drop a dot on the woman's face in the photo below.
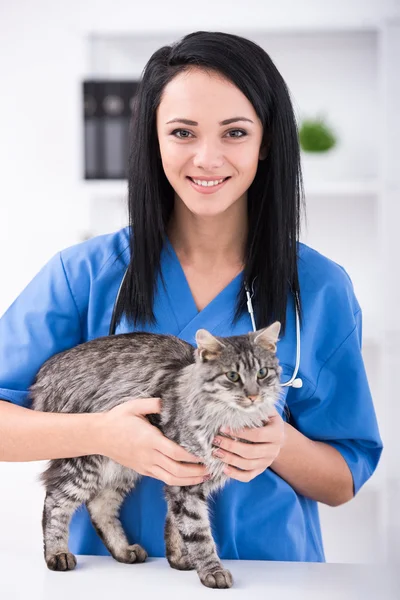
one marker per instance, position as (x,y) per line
(205,148)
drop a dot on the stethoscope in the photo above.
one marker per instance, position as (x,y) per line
(294,381)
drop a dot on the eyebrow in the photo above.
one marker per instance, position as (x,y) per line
(194,123)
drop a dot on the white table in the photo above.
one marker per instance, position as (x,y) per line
(25,575)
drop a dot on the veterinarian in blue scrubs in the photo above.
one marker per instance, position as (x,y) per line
(71,300)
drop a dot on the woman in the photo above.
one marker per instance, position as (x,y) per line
(213,108)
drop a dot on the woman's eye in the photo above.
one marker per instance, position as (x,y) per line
(262,373)
(179,131)
(238,131)
(233,376)
(185,137)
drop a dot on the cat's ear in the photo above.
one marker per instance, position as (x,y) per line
(268,337)
(208,347)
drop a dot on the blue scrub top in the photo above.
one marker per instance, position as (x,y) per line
(70,301)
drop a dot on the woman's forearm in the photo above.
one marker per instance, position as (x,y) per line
(314,469)
(27,435)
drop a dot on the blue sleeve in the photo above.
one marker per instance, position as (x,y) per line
(42,321)
(340,410)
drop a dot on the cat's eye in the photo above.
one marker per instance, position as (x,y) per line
(262,373)
(233,376)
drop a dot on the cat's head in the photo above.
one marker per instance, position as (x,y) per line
(242,371)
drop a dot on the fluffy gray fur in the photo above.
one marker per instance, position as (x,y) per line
(197,399)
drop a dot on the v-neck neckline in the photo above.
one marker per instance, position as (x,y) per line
(183,275)
(182,301)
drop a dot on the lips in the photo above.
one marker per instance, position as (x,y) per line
(207,189)
(216,179)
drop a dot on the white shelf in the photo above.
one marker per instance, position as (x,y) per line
(342,188)
(104,187)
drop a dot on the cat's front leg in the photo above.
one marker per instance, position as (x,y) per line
(58,509)
(175,548)
(188,506)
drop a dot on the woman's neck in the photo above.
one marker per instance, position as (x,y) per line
(209,242)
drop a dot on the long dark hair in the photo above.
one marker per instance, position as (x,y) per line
(274,197)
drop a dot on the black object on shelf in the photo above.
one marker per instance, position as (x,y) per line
(107,109)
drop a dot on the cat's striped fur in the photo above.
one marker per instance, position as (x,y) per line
(197,399)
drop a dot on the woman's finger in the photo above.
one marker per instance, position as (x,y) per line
(143,406)
(258,435)
(175,451)
(247,464)
(244,476)
(248,451)
(170,479)
(178,469)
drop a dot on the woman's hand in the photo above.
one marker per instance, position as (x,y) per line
(126,436)
(253,458)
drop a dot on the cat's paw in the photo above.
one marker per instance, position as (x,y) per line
(63,561)
(182,563)
(132,554)
(217,578)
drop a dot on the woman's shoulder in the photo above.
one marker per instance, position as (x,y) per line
(97,252)
(320,275)
(318,267)
(93,268)
(331,311)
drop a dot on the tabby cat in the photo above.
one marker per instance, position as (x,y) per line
(226,381)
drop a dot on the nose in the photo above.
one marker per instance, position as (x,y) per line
(208,157)
(253,398)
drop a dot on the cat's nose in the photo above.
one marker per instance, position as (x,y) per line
(253,398)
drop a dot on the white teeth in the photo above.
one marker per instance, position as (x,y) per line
(207,183)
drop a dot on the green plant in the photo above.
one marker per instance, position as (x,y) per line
(316,136)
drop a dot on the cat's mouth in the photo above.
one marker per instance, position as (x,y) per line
(248,403)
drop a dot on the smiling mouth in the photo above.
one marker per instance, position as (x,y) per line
(207,185)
